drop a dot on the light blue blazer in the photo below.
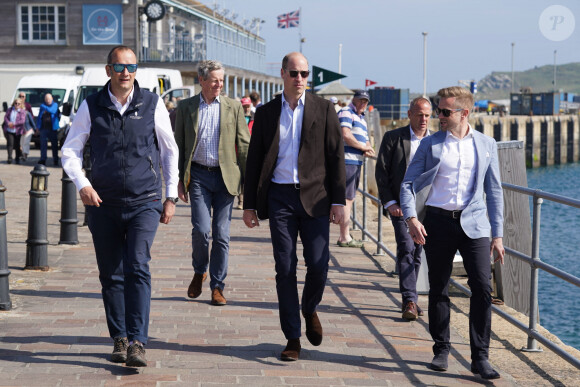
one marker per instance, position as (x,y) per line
(421,173)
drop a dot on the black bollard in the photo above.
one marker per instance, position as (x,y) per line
(68,212)
(37,242)
(5,303)
(87,167)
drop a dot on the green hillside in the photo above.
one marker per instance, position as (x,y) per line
(497,85)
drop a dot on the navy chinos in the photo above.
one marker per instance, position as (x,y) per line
(123,237)
(288,219)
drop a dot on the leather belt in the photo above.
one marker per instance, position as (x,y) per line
(293,185)
(456,214)
(205,167)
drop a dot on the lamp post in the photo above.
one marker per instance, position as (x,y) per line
(424,64)
(555,52)
(37,242)
(513,80)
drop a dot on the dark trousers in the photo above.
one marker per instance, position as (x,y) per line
(408,260)
(13,142)
(123,237)
(444,237)
(52,135)
(288,219)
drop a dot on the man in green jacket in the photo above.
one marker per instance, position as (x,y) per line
(212,137)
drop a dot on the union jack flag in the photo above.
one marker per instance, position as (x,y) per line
(289,20)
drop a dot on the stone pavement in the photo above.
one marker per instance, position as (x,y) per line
(56,334)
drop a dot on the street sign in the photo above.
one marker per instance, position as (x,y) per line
(321,76)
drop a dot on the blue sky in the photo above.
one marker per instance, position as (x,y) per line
(382,39)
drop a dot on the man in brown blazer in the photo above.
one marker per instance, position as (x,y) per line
(212,137)
(395,154)
(295,178)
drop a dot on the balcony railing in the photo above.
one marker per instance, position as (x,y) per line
(157,47)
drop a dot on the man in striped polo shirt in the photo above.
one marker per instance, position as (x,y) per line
(356,147)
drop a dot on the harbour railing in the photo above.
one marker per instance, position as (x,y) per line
(534,336)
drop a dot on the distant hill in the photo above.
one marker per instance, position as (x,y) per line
(497,85)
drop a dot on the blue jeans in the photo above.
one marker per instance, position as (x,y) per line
(207,192)
(123,237)
(51,135)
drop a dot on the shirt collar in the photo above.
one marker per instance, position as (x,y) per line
(300,100)
(468,135)
(115,100)
(202,99)
(414,136)
(353,108)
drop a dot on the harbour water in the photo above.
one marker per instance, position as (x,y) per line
(559,301)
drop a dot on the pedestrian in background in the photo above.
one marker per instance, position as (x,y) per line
(295,178)
(30,128)
(356,147)
(452,199)
(48,122)
(396,152)
(13,126)
(212,137)
(131,138)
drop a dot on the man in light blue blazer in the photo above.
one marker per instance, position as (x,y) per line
(443,203)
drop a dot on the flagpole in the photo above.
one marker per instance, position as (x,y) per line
(300,28)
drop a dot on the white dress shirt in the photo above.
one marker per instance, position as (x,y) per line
(286,170)
(72,150)
(453,187)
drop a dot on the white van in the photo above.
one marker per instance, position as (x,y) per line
(62,87)
(157,80)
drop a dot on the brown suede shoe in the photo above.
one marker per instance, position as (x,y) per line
(292,350)
(313,328)
(194,289)
(410,312)
(217,297)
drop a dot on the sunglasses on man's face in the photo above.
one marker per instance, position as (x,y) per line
(118,67)
(446,112)
(303,74)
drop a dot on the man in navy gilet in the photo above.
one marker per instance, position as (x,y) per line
(131,137)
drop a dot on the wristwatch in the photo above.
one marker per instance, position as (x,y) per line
(174,200)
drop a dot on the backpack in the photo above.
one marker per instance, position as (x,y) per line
(46,121)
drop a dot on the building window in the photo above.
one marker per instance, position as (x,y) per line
(42,24)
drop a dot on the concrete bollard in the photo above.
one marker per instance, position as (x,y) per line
(37,242)
(5,303)
(68,212)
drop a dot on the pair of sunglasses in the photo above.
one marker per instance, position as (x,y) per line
(119,68)
(446,112)
(303,74)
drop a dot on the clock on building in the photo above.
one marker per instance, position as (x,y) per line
(154,10)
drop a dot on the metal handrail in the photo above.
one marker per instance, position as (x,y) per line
(534,261)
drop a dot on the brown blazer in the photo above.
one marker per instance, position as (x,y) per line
(233,143)
(320,158)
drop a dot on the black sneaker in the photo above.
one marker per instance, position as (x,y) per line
(119,354)
(136,355)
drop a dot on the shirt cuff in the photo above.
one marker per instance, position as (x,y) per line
(388,204)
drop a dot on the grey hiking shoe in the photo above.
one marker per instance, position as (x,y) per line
(136,355)
(120,346)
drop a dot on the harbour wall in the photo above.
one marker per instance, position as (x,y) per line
(548,140)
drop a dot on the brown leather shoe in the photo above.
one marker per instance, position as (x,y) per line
(292,350)
(410,312)
(313,328)
(217,297)
(194,289)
